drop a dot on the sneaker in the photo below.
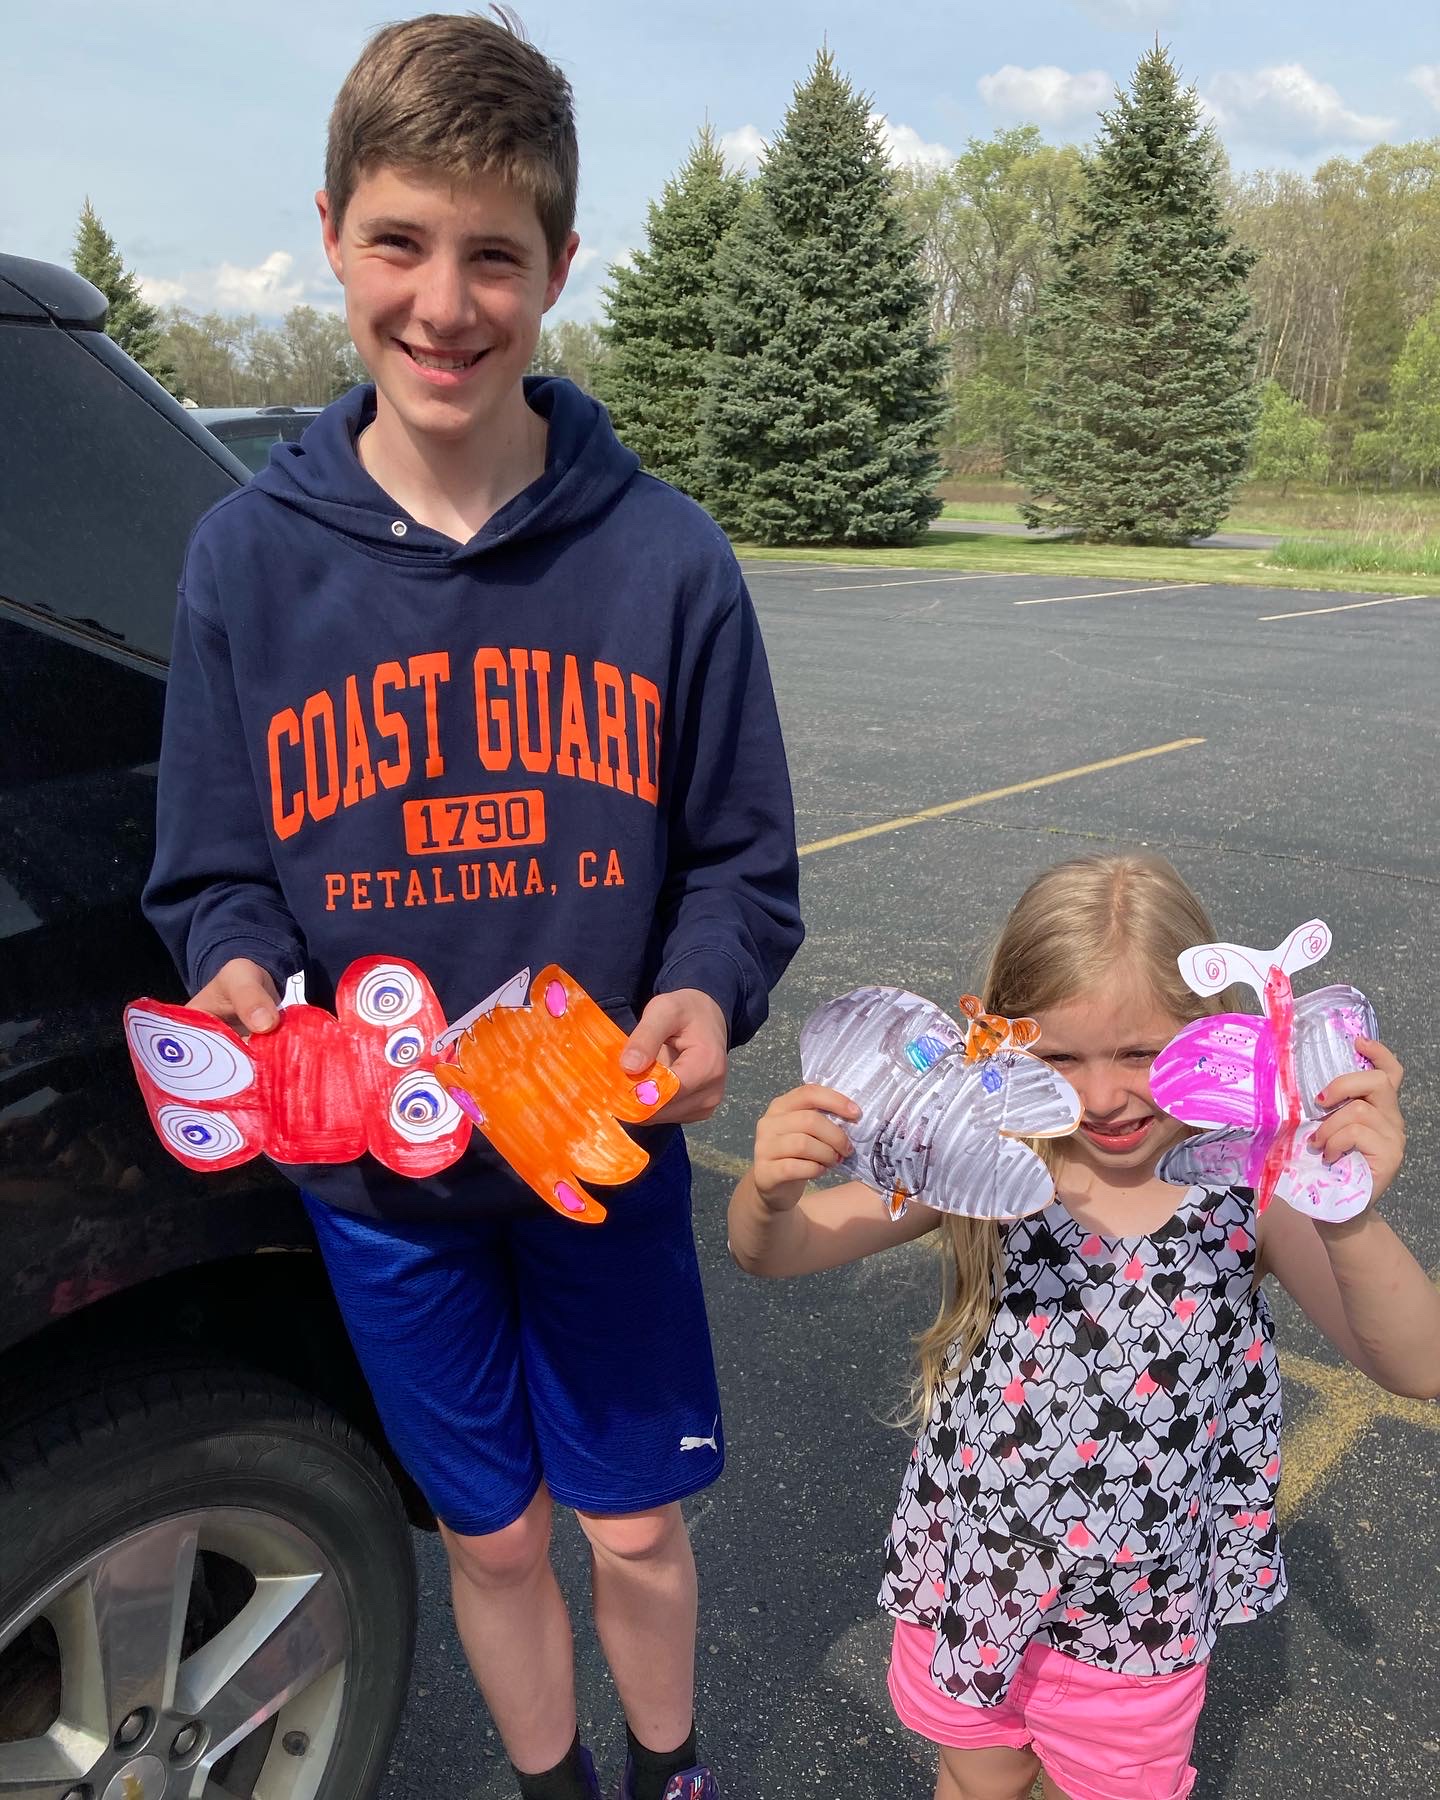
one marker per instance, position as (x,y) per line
(689,1784)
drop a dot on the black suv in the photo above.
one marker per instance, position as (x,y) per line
(206,1580)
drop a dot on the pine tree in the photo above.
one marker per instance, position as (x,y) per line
(1142,354)
(824,393)
(132,321)
(658,338)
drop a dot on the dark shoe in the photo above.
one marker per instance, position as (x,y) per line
(689,1784)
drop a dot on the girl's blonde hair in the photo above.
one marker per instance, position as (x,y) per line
(1074,926)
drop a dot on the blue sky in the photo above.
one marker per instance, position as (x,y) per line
(197,129)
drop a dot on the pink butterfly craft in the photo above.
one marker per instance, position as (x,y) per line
(942,1105)
(1253,1082)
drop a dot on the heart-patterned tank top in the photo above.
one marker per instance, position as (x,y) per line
(1103,1474)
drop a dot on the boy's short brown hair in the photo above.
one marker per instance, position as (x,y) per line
(458,95)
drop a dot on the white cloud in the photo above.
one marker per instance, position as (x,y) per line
(270,288)
(1046,94)
(743,147)
(1426,77)
(267,288)
(903,144)
(1286,105)
(160,292)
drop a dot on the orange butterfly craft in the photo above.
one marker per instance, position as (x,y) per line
(989,1033)
(544,1084)
(536,1072)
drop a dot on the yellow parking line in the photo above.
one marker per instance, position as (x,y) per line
(1168,587)
(1314,612)
(1347,1405)
(858,587)
(1004,793)
(717,1161)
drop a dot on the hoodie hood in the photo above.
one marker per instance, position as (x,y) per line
(321,476)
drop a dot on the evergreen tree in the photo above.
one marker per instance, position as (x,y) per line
(658,338)
(1142,352)
(1289,442)
(824,392)
(132,321)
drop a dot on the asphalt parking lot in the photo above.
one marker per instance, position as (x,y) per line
(949,736)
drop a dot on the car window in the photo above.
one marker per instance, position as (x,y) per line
(252,447)
(100,491)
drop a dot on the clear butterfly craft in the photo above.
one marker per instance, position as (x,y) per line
(942,1105)
(535,1068)
(1253,1082)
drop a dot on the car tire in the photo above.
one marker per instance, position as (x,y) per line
(205,1577)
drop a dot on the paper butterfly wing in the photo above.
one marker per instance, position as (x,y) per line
(1331,1192)
(390,1017)
(950,1127)
(314,1104)
(1214,1160)
(1217,1071)
(1327,1022)
(873,1044)
(544,1084)
(198,1082)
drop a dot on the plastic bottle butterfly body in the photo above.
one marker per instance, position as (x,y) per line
(941,1107)
(1256,1079)
(317,1089)
(544,1084)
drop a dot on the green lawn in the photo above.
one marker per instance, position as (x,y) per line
(1303,510)
(1107,562)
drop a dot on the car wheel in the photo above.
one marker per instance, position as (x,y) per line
(206,1590)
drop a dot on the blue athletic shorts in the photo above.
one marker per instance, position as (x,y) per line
(506,1352)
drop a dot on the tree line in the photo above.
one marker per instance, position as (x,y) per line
(806,348)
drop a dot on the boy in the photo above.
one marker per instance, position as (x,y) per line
(453,681)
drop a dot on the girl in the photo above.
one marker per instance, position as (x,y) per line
(1093,1492)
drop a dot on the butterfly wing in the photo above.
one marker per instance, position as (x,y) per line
(390,1018)
(956,1118)
(1327,1023)
(1331,1192)
(873,1045)
(199,1084)
(1217,1071)
(1214,1160)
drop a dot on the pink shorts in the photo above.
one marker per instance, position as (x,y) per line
(1099,1735)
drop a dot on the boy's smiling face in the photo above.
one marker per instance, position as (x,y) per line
(445,287)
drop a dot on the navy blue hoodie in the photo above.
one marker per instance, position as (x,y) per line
(555,743)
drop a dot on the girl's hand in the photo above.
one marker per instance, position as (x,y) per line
(795,1143)
(1367,1116)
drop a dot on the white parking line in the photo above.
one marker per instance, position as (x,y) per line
(1110,593)
(855,587)
(1314,612)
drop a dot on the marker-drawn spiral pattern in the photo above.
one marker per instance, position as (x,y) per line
(206,1136)
(388,995)
(404,1047)
(195,1065)
(421,1110)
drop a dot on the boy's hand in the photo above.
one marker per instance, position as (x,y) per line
(795,1142)
(686,1031)
(1367,1115)
(242,995)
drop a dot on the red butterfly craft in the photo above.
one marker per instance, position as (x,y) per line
(545,1088)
